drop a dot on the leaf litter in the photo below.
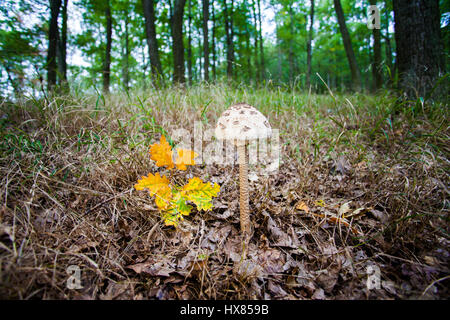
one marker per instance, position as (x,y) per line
(318,224)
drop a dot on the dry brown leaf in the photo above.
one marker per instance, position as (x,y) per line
(344,209)
(152,268)
(301,205)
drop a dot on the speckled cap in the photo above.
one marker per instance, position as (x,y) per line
(242,122)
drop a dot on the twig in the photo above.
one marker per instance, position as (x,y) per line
(433,283)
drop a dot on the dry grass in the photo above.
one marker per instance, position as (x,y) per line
(68,167)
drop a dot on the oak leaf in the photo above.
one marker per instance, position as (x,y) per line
(185,158)
(200,193)
(155,184)
(162,153)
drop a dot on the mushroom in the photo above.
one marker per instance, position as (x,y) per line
(240,124)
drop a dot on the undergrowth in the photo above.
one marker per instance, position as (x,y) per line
(68,165)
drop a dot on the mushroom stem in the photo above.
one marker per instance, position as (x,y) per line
(243,184)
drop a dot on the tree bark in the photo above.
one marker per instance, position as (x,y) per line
(229,38)
(377,68)
(248,51)
(356,76)
(62,46)
(420,58)
(261,44)
(189,62)
(279,66)
(388,51)
(291,48)
(214,42)
(257,61)
(55,6)
(309,46)
(152,43)
(205,39)
(107,61)
(126,71)
(177,42)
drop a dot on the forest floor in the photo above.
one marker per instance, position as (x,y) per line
(362,191)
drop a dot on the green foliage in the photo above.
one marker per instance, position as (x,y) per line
(23,43)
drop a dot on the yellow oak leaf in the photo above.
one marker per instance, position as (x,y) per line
(162,153)
(178,208)
(185,158)
(200,193)
(163,199)
(155,184)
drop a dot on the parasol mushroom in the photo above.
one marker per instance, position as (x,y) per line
(240,124)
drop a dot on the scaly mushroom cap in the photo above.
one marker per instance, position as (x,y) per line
(242,122)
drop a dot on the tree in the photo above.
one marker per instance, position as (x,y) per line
(261,46)
(55,6)
(376,64)
(213,39)
(308,44)
(19,48)
(107,59)
(189,54)
(62,46)
(152,43)
(257,62)
(177,41)
(205,39)
(419,48)
(228,14)
(356,77)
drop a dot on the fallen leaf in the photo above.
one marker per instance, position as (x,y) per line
(162,153)
(200,193)
(344,209)
(356,213)
(276,289)
(379,215)
(319,294)
(272,261)
(302,206)
(152,268)
(320,203)
(185,158)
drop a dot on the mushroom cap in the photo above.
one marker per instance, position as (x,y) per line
(242,122)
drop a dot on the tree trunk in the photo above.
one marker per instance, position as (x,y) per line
(388,49)
(261,44)
(107,61)
(214,42)
(15,85)
(205,39)
(377,68)
(420,58)
(248,51)
(291,48)
(257,62)
(229,38)
(62,46)
(55,6)
(308,45)
(126,77)
(189,62)
(152,43)
(356,77)
(279,65)
(177,41)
